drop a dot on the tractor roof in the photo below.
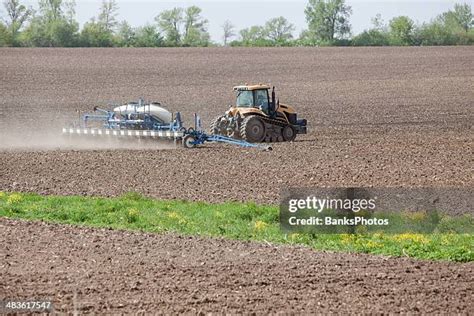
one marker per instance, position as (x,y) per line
(251,87)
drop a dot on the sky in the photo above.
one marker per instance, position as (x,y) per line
(246,13)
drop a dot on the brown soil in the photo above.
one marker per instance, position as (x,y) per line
(98,271)
(378,116)
(217,173)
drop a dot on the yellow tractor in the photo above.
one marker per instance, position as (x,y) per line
(258,117)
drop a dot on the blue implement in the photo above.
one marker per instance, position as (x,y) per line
(149,120)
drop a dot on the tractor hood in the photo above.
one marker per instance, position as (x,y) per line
(242,111)
(245,111)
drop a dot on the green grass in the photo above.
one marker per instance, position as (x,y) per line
(230,220)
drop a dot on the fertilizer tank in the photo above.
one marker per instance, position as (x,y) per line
(153,109)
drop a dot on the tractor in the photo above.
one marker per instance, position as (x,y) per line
(258,117)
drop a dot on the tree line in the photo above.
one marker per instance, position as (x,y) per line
(53,24)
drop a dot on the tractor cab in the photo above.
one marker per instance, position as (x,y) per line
(255,96)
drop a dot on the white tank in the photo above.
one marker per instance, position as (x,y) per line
(126,109)
(157,112)
(153,109)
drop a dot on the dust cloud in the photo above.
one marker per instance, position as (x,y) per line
(54,139)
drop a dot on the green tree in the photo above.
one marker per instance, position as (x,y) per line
(254,36)
(93,34)
(279,30)
(376,36)
(448,21)
(463,15)
(17,15)
(55,25)
(195,28)
(371,38)
(125,35)
(307,38)
(453,27)
(100,32)
(190,21)
(328,19)
(461,18)
(228,30)
(169,22)
(401,31)
(435,33)
(4,35)
(196,38)
(51,9)
(147,36)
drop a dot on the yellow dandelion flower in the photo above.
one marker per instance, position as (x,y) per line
(378,235)
(418,216)
(174,215)
(132,215)
(259,225)
(133,212)
(418,238)
(347,238)
(372,244)
(14,198)
(294,236)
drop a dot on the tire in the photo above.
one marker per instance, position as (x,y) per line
(252,129)
(188,141)
(215,129)
(288,133)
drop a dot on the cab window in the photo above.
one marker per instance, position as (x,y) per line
(261,97)
(245,99)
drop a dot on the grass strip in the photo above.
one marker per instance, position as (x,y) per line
(241,221)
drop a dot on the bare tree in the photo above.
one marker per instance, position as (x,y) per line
(108,15)
(70,8)
(229,31)
(378,22)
